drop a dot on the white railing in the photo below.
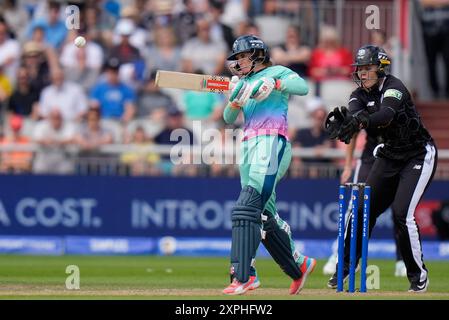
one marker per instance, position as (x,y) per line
(111,164)
(306,153)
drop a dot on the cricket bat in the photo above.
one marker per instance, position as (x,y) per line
(192,81)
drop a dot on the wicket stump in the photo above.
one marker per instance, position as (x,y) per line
(342,227)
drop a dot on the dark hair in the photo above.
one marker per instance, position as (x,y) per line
(54,5)
(113,63)
(151,76)
(94,110)
(217,4)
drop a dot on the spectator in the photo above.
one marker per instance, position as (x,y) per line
(92,135)
(247,27)
(440,218)
(202,52)
(330,60)
(36,61)
(93,24)
(203,106)
(131,63)
(151,101)
(138,37)
(114,98)
(68,97)
(38,37)
(314,137)
(5,89)
(175,121)
(53,135)
(124,50)
(9,53)
(220,31)
(16,17)
(15,161)
(292,53)
(139,161)
(379,38)
(24,100)
(185,22)
(110,12)
(435,26)
(81,65)
(164,54)
(54,28)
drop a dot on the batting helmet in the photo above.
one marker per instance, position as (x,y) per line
(249,43)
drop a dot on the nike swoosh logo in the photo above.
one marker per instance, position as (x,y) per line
(421,287)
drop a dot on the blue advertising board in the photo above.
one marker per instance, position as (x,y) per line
(157,207)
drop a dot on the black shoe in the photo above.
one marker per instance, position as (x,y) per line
(419,287)
(333,281)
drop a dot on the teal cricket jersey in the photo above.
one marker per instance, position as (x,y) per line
(269,117)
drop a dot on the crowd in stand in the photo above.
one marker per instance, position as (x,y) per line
(57,95)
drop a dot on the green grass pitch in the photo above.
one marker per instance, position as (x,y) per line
(177,278)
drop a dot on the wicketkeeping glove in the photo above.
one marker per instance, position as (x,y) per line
(353,124)
(334,120)
(262,88)
(240,94)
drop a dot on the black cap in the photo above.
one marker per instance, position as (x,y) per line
(113,63)
(217,4)
(174,111)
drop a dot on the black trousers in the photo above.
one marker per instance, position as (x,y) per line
(401,185)
(361,173)
(435,45)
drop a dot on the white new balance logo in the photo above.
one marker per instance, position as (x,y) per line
(417,167)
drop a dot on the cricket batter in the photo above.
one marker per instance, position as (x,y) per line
(262,95)
(405,160)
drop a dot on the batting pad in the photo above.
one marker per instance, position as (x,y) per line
(277,241)
(246,235)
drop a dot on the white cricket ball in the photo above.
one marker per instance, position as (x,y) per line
(80,41)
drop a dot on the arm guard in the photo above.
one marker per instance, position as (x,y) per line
(230,114)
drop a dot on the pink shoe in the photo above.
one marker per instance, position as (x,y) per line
(306,268)
(236,287)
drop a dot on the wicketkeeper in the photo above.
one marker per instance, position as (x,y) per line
(405,160)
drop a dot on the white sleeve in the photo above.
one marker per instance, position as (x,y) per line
(82,99)
(67,56)
(69,132)
(186,52)
(39,131)
(44,103)
(95,56)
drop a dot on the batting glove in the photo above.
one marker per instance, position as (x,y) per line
(233,82)
(262,88)
(240,94)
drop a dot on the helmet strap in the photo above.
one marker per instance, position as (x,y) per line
(236,69)
(255,61)
(380,75)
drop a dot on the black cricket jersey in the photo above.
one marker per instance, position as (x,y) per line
(393,121)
